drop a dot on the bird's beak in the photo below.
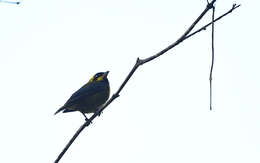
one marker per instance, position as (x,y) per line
(106,73)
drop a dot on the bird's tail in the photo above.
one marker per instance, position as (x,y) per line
(60,109)
(65,110)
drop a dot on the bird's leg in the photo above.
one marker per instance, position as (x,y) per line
(86,118)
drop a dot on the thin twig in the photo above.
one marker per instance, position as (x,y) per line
(213,55)
(10,2)
(138,63)
(183,37)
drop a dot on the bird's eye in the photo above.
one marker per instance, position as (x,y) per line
(97,76)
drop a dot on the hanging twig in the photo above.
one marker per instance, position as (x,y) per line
(213,55)
(138,63)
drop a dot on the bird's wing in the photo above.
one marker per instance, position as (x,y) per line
(86,90)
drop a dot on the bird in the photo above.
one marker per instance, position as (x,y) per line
(90,97)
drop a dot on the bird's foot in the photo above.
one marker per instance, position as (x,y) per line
(99,114)
(86,118)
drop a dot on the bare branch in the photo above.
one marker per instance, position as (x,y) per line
(10,2)
(205,26)
(138,63)
(183,37)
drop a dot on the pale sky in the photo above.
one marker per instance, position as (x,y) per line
(49,49)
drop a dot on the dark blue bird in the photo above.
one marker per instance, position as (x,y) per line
(90,97)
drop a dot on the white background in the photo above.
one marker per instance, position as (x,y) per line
(50,48)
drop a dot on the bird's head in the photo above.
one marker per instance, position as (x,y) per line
(99,77)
